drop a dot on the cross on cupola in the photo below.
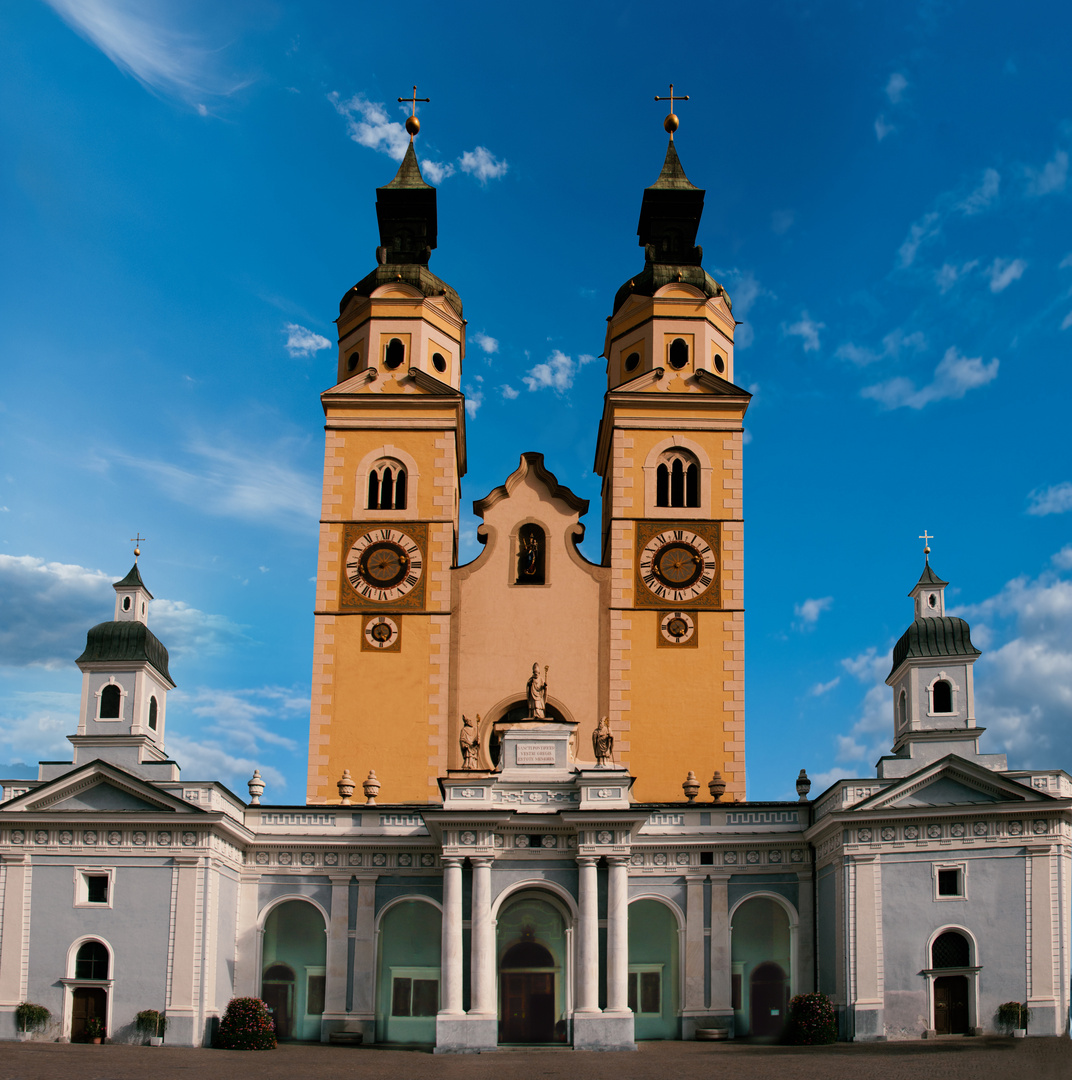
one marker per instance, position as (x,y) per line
(671,123)
(137,540)
(413,125)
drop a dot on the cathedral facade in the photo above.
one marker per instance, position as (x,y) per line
(546,866)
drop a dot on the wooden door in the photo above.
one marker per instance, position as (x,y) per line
(87,1002)
(279,997)
(528,1007)
(769,994)
(951,1005)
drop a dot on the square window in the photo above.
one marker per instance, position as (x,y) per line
(645,991)
(315,997)
(949,883)
(96,888)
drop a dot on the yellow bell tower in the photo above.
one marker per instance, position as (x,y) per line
(669,451)
(393,461)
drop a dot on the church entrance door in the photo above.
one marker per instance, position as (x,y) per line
(277,991)
(770,993)
(87,1003)
(528,1007)
(951,1005)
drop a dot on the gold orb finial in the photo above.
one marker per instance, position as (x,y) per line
(413,125)
(136,541)
(671,123)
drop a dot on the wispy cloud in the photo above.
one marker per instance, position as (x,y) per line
(1004,272)
(486,342)
(808,611)
(1052,177)
(883,127)
(821,688)
(950,274)
(954,376)
(557,373)
(302,341)
(482,164)
(896,87)
(807,329)
(137,39)
(437,171)
(782,221)
(1055,499)
(926,228)
(893,344)
(508,392)
(744,290)
(474,398)
(983,196)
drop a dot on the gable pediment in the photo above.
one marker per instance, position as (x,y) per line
(99,787)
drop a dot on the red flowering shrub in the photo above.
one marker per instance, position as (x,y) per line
(812,1021)
(246,1025)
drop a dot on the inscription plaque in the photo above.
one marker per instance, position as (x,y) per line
(535,753)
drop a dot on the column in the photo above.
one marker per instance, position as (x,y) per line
(451,962)
(588,937)
(721,947)
(13,936)
(363,1004)
(617,934)
(183,993)
(694,944)
(482,1001)
(338,940)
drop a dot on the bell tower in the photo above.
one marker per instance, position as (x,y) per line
(669,451)
(393,461)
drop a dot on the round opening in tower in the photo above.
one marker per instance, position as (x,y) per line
(439,362)
(631,361)
(353,360)
(720,364)
(679,353)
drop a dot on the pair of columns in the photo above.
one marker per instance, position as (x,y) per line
(482,963)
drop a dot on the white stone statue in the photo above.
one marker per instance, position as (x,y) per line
(603,743)
(468,742)
(537,694)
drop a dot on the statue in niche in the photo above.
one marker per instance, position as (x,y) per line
(603,743)
(537,693)
(530,555)
(469,743)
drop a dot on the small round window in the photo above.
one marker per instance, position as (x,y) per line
(394,354)
(439,361)
(720,364)
(353,360)
(632,361)
(126,603)
(679,353)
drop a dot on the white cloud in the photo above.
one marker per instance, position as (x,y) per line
(1050,178)
(896,86)
(34,725)
(218,480)
(1003,273)
(868,666)
(474,398)
(557,373)
(482,164)
(744,290)
(882,129)
(1055,499)
(918,234)
(369,124)
(186,631)
(893,344)
(983,196)
(437,171)
(821,688)
(164,59)
(486,342)
(950,274)
(807,330)
(1066,262)
(809,610)
(1066,322)
(508,392)
(1063,558)
(954,376)
(303,342)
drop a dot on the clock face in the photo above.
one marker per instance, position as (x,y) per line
(677,627)
(678,565)
(381,632)
(384,565)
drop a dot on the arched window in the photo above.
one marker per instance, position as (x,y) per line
(387,486)
(942,697)
(531,555)
(152,713)
(126,603)
(677,479)
(111,701)
(950,950)
(902,709)
(91,961)
(394,354)
(679,353)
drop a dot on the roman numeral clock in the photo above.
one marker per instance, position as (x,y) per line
(677,571)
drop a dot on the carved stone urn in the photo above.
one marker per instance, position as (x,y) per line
(256,788)
(346,787)
(371,788)
(691,786)
(803,786)
(717,786)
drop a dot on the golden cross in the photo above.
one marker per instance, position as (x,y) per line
(137,541)
(413,125)
(926,538)
(671,122)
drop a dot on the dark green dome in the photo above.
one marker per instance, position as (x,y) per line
(130,640)
(936,637)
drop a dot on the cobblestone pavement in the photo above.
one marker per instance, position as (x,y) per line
(952,1059)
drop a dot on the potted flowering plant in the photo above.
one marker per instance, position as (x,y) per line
(95,1029)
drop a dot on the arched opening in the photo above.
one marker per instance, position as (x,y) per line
(942,697)
(531,946)
(677,479)
(394,354)
(152,713)
(293,964)
(761,960)
(92,963)
(902,709)
(679,353)
(531,555)
(387,486)
(407,993)
(951,992)
(653,970)
(111,701)
(126,603)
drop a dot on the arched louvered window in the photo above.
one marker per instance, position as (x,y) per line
(387,486)
(111,701)
(677,479)
(152,713)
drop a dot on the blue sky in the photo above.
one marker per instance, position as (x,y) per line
(187,189)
